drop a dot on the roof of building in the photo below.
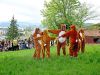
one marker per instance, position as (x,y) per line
(92,33)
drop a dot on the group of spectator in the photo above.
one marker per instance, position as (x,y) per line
(8,45)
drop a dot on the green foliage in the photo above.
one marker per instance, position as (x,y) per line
(65,11)
(12,30)
(22,63)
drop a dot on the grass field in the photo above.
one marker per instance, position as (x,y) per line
(22,63)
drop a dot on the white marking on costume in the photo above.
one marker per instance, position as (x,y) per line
(45,44)
(81,35)
(76,40)
(61,39)
(39,41)
(38,35)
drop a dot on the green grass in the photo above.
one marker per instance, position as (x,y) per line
(22,63)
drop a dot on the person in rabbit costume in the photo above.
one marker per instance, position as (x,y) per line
(61,42)
(46,43)
(82,40)
(37,43)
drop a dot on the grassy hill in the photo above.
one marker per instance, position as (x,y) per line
(20,24)
(22,63)
(94,26)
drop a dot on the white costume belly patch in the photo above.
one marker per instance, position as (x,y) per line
(61,39)
(39,41)
(81,36)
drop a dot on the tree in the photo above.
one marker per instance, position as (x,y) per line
(64,11)
(12,32)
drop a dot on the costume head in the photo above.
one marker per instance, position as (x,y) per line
(63,27)
(81,30)
(45,32)
(73,27)
(37,30)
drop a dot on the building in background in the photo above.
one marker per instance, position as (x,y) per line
(3,31)
(92,36)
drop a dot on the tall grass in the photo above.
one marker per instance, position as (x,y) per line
(22,63)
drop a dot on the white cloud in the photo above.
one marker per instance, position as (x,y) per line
(29,10)
(24,10)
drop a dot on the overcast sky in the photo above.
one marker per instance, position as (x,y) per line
(29,10)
